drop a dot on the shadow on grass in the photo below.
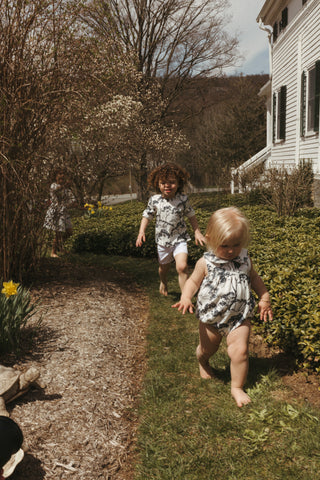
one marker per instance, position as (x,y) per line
(259,366)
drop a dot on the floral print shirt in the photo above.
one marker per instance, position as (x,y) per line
(171,228)
(225,299)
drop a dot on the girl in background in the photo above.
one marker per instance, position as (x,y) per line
(57,218)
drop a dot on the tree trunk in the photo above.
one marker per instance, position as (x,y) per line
(141,176)
(100,187)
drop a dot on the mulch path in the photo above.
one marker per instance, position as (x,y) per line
(90,349)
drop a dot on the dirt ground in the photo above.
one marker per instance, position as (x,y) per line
(90,349)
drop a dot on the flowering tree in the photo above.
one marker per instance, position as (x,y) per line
(115,131)
(172,42)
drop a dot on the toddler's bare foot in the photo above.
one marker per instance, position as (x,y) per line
(205,369)
(240,396)
(54,255)
(163,289)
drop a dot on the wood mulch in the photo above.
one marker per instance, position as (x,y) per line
(90,348)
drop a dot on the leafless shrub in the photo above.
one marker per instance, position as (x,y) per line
(250,179)
(37,76)
(290,190)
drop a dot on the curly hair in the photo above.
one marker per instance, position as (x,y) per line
(165,171)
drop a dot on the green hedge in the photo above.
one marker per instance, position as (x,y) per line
(285,252)
(114,234)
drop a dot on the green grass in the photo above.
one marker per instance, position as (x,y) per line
(191,429)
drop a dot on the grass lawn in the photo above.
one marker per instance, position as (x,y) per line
(191,429)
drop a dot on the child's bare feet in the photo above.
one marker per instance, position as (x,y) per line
(205,369)
(163,289)
(240,396)
(54,255)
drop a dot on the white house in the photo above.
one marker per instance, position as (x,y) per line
(293,90)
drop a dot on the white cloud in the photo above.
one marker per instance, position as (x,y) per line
(253,42)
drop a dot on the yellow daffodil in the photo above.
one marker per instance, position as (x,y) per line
(9,288)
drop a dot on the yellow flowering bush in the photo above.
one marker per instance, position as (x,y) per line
(15,310)
(97,210)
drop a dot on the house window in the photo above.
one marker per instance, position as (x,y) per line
(310,94)
(279,114)
(281,24)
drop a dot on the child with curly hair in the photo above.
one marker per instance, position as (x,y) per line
(170,205)
(224,277)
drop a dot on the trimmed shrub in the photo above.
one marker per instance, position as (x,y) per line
(285,252)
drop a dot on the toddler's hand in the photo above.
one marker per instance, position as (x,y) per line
(184,305)
(140,239)
(265,310)
(200,239)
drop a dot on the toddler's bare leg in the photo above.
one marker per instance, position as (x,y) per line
(55,245)
(238,351)
(163,272)
(181,260)
(209,341)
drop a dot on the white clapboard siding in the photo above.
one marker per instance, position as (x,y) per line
(288,63)
(296,49)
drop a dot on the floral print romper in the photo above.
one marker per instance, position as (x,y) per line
(225,299)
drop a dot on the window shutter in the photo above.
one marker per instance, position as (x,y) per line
(275,32)
(284,18)
(317,97)
(283,105)
(303,105)
(274,116)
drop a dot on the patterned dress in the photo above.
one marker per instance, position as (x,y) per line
(170,225)
(57,217)
(225,299)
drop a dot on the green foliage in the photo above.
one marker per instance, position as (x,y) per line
(113,235)
(15,311)
(285,252)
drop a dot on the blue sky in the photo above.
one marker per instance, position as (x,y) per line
(253,42)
